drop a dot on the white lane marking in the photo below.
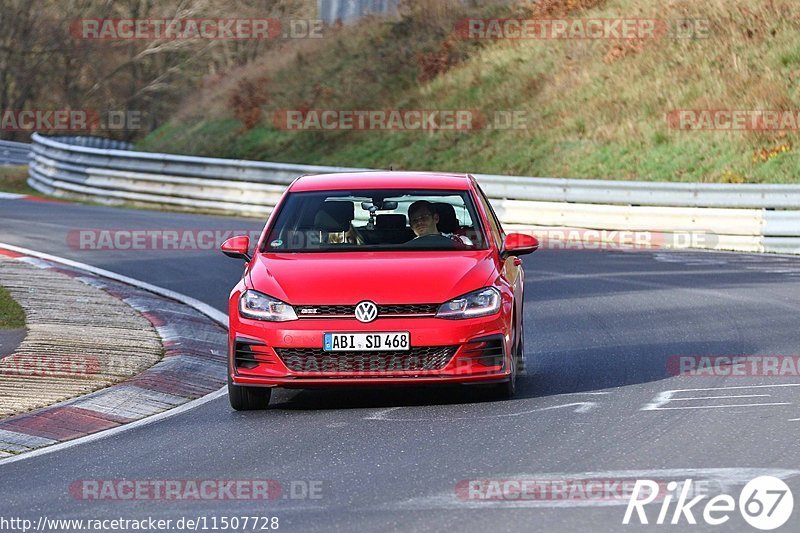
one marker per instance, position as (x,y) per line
(725,406)
(726,480)
(665,397)
(382,414)
(590,393)
(746,387)
(580,407)
(205,309)
(628,279)
(10,196)
(688,259)
(555,276)
(752,257)
(722,397)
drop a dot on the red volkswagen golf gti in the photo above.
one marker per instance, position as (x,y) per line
(377,278)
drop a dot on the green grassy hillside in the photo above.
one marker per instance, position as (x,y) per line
(594,108)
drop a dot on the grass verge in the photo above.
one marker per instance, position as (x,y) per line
(15,180)
(12,315)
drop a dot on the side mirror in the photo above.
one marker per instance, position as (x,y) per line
(237,247)
(519,244)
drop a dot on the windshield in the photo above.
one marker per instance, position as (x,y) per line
(376,220)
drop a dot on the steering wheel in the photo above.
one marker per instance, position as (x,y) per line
(430,236)
(435,241)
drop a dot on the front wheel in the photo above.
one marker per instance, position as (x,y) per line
(248,398)
(507,389)
(521,361)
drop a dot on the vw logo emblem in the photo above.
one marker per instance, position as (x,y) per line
(366,311)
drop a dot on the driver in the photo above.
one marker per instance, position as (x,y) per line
(422,218)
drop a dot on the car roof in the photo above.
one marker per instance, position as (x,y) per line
(381,180)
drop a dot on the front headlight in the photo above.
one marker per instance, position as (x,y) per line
(253,304)
(483,302)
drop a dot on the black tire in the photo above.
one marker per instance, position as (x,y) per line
(522,363)
(248,398)
(507,389)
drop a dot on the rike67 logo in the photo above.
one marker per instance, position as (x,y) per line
(765,503)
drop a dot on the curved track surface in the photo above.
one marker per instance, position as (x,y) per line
(598,402)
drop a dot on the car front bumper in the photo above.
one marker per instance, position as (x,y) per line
(477,350)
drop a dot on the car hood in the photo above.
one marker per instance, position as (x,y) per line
(383,277)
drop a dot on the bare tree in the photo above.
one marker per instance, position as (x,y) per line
(44,63)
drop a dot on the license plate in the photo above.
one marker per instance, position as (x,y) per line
(367,342)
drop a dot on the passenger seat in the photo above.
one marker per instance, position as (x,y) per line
(448,221)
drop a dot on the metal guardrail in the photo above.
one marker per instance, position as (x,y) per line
(113,175)
(14,153)
(667,194)
(90,141)
(743,217)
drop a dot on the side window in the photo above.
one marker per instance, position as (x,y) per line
(494,224)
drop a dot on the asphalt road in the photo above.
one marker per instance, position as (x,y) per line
(603,327)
